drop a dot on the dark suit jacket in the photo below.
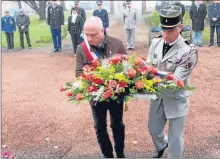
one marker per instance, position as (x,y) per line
(23,20)
(103,15)
(55,16)
(77,27)
(111,47)
(198,17)
(214,12)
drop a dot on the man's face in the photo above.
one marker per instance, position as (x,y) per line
(53,2)
(94,35)
(21,12)
(129,5)
(77,5)
(170,36)
(99,6)
(7,14)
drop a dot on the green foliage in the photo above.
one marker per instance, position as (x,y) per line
(154,19)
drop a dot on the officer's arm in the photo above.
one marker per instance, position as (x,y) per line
(81,21)
(204,12)
(122,48)
(48,16)
(84,15)
(3,24)
(184,70)
(107,20)
(210,13)
(62,16)
(69,21)
(218,11)
(79,61)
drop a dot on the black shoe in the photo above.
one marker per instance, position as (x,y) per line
(200,45)
(132,48)
(159,154)
(55,50)
(29,46)
(21,48)
(59,50)
(210,45)
(120,154)
(108,156)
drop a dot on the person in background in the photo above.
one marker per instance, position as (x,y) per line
(55,19)
(23,22)
(102,14)
(9,27)
(75,28)
(198,13)
(130,21)
(80,11)
(214,17)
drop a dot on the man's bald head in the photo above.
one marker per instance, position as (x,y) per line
(94,22)
(94,31)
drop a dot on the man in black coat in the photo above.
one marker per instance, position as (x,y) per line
(23,22)
(198,13)
(55,19)
(80,11)
(214,17)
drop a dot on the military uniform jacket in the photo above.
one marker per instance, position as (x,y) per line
(8,24)
(214,12)
(55,16)
(129,18)
(112,46)
(23,20)
(180,60)
(103,15)
(77,27)
(82,13)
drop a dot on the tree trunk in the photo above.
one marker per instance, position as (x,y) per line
(41,10)
(19,4)
(143,7)
(62,3)
(112,7)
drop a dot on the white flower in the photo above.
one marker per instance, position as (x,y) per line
(105,64)
(98,94)
(76,84)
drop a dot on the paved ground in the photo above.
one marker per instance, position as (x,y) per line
(38,122)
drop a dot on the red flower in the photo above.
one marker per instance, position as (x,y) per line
(87,68)
(88,77)
(144,70)
(112,83)
(131,72)
(97,81)
(79,96)
(157,79)
(153,70)
(143,58)
(116,59)
(69,94)
(139,84)
(170,76)
(95,63)
(107,94)
(7,155)
(125,57)
(122,84)
(180,83)
(138,61)
(62,89)
(92,89)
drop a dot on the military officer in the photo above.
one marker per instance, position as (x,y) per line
(80,11)
(130,20)
(103,14)
(55,19)
(171,53)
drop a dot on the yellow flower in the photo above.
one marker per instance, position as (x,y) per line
(110,76)
(120,77)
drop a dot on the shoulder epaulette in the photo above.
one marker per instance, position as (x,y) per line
(187,42)
(160,36)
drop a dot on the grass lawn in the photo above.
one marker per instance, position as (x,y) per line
(36,30)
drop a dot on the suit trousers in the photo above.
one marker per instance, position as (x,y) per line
(175,141)
(56,35)
(27,38)
(10,40)
(130,38)
(75,40)
(197,38)
(212,31)
(99,112)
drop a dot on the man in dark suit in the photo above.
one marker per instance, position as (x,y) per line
(103,14)
(214,17)
(23,22)
(55,19)
(105,46)
(9,27)
(198,13)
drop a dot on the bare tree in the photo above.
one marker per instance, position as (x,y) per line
(144,7)
(112,6)
(19,4)
(39,7)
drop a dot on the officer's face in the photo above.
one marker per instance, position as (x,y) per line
(170,36)
(129,5)
(7,14)
(99,6)
(74,11)
(94,34)
(53,2)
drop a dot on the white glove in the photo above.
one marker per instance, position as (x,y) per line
(62,26)
(214,19)
(22,27)
(107,29)
(82,35)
